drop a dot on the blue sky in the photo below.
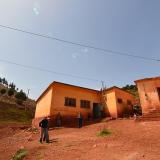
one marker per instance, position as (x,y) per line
(131,26)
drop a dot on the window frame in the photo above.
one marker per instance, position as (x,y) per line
(85,104)
(69,102)
(120,100)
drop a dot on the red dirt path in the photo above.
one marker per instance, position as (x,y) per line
(129,141)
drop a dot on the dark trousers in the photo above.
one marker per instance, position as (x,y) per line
(44,135)
(80,122)
(58,123)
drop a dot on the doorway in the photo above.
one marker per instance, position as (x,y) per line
(158,90)
(97,111)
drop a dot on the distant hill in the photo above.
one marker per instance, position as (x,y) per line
(15,106)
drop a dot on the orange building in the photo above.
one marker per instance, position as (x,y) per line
(149,93)
(118,102)
(69,100)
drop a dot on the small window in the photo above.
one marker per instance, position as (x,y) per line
(70,102)
(85,104)
(119,100)
(129,102)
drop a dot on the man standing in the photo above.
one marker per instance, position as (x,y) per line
(44,130)
(58,120)
(80,120)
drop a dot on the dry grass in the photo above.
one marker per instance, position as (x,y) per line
(20,154)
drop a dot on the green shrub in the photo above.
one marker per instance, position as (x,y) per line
(12,86)
(21,95)
(3,91)
(20,154)
(104,133)
(10,92)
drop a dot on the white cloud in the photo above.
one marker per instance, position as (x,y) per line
(85,50)
(74,55)
(36,8)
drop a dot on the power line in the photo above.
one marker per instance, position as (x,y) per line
(49,71)
(82,45)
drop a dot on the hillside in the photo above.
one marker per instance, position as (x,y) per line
(15,106)
(14,114)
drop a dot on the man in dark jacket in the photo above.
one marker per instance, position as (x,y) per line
(44,130)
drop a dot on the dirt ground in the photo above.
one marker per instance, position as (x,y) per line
(129,141)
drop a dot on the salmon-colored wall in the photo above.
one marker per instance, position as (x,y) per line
(149,98)
(111,103)
(44,105)
(61,91)
(122,106)
(116,109)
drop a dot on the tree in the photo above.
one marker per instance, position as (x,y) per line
(10,92)
(21,96)
(132,89)
(3,91)
(3,80)
(6,83)
(12,86)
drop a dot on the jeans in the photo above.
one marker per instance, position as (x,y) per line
(44,135)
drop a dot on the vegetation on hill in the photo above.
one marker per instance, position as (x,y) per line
(10,90)
(10,113)
(132,89)
(15,106)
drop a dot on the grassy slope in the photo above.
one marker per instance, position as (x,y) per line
(12,114)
